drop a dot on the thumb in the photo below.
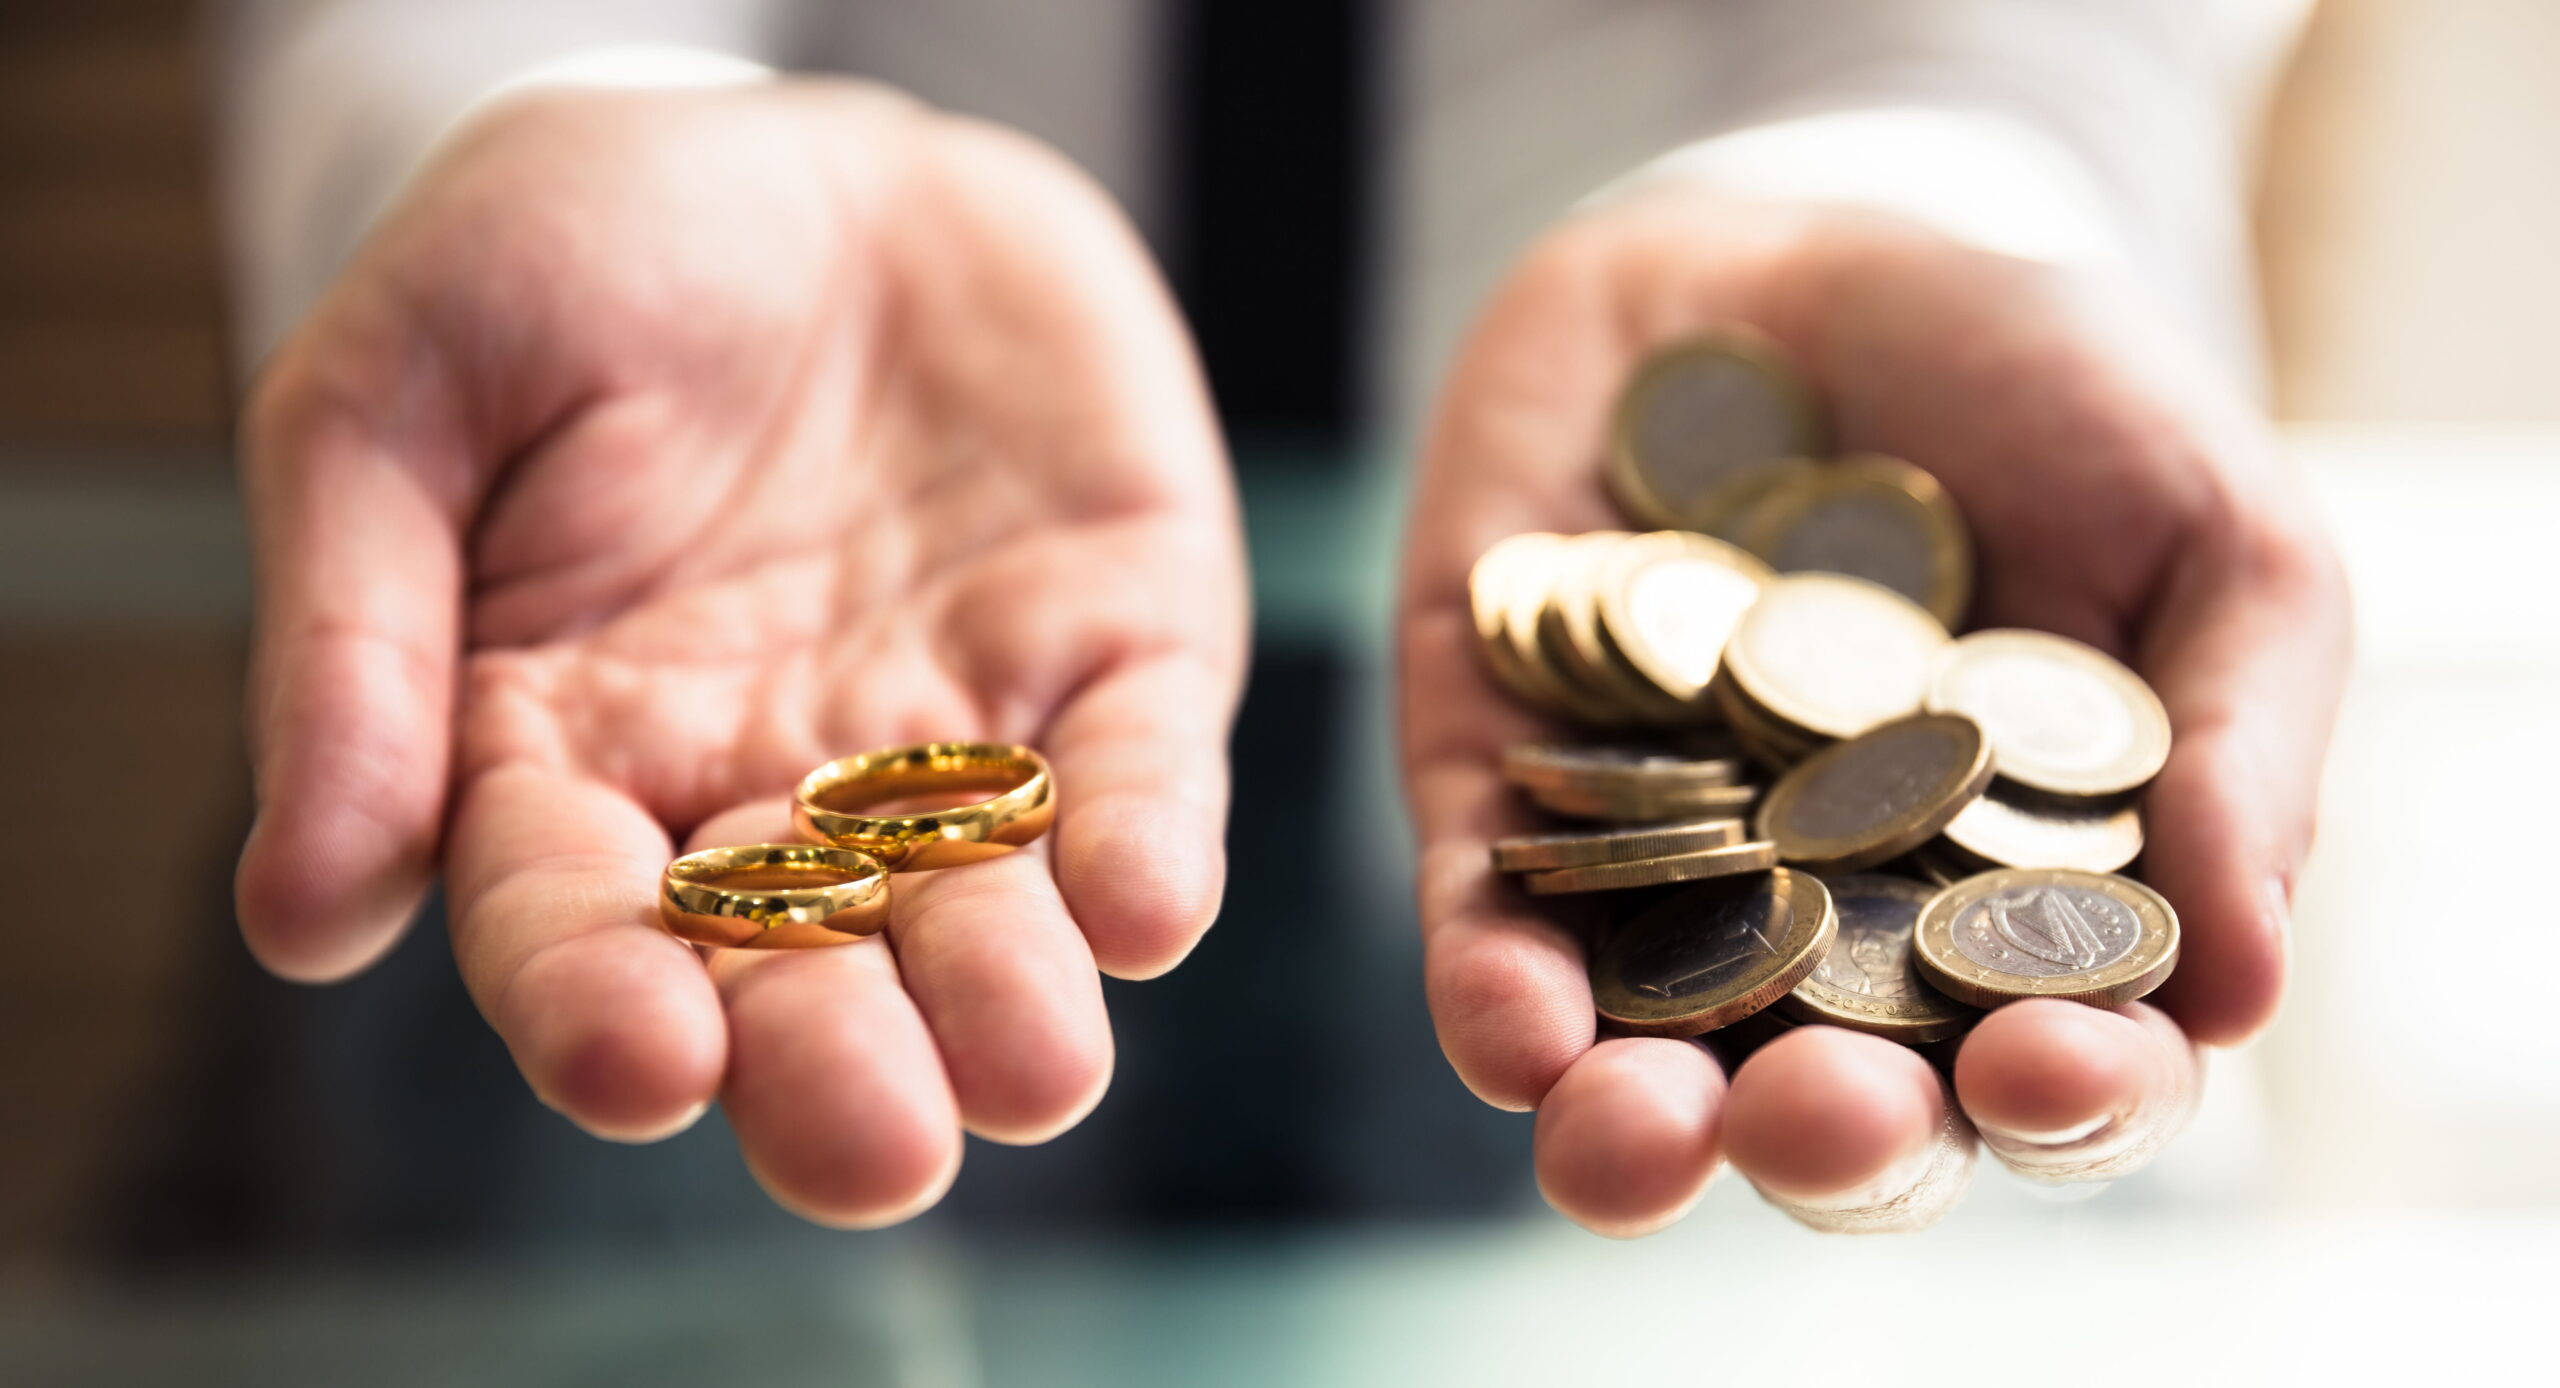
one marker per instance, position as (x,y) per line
(357,480)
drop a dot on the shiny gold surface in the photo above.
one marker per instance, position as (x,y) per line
(1878,795)
(843,801)
(1872,517)
(1833,655)
(1712,954)
(2046,933)
(1694,866)
(2064,719)
(774,896)
(1541,852)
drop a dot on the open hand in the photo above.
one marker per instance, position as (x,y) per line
(659,447)
(2119,492)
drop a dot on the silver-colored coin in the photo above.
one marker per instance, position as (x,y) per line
(1713,954)
(2046,932)
(1699,420)
(1877,796)
(2064,718)
(1833,655)
(1867,980)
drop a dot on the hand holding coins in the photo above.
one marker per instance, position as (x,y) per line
(859,813)
(1947,814)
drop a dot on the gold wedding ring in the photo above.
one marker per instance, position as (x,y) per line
(774,896)
(868,802)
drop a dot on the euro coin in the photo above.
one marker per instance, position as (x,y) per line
(1489,586)
(1728,861)
(1866,980)
(1877,796)
(2064,719)
(1699,426)
(1833,655)
(1616,769)
(1668,602)
(2005,830)
(1527,579)
(1569,629)
(2017,933)
(1544,852)
(1758,732)
(1648,806)
(1871,517)
(1712,954)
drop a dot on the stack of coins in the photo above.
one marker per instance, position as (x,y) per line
(1951,817)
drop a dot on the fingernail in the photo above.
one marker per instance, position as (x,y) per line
(2077,1132)
(1916,1191)
(661,1133)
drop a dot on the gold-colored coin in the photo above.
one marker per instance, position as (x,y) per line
(1761,736)
(1866,980)
(1569,633)
(1697,424)
(1545,852)
(2046,933)
(1616,770)
(1872,517)
(1668,602)
(2064,719)
(2005,830)
(1529,577)
(1878,795)
(1711,955)
(1489,587)
(1833,655)
(1646,807)
(1694,866)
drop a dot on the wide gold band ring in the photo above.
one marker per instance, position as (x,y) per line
(774,896)
(869,802)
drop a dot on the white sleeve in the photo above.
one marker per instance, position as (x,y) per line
(2117,134)
(327,105)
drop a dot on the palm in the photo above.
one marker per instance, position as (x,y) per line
(2113,498)
(801,421)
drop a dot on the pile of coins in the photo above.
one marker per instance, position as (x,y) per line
(865,817)
(1806,800)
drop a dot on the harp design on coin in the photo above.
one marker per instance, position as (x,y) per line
(1733,948)
(2045,924)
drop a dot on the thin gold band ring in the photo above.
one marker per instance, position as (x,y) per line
(834,802)
(774,896)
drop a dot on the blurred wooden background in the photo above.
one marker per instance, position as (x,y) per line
(109,313)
